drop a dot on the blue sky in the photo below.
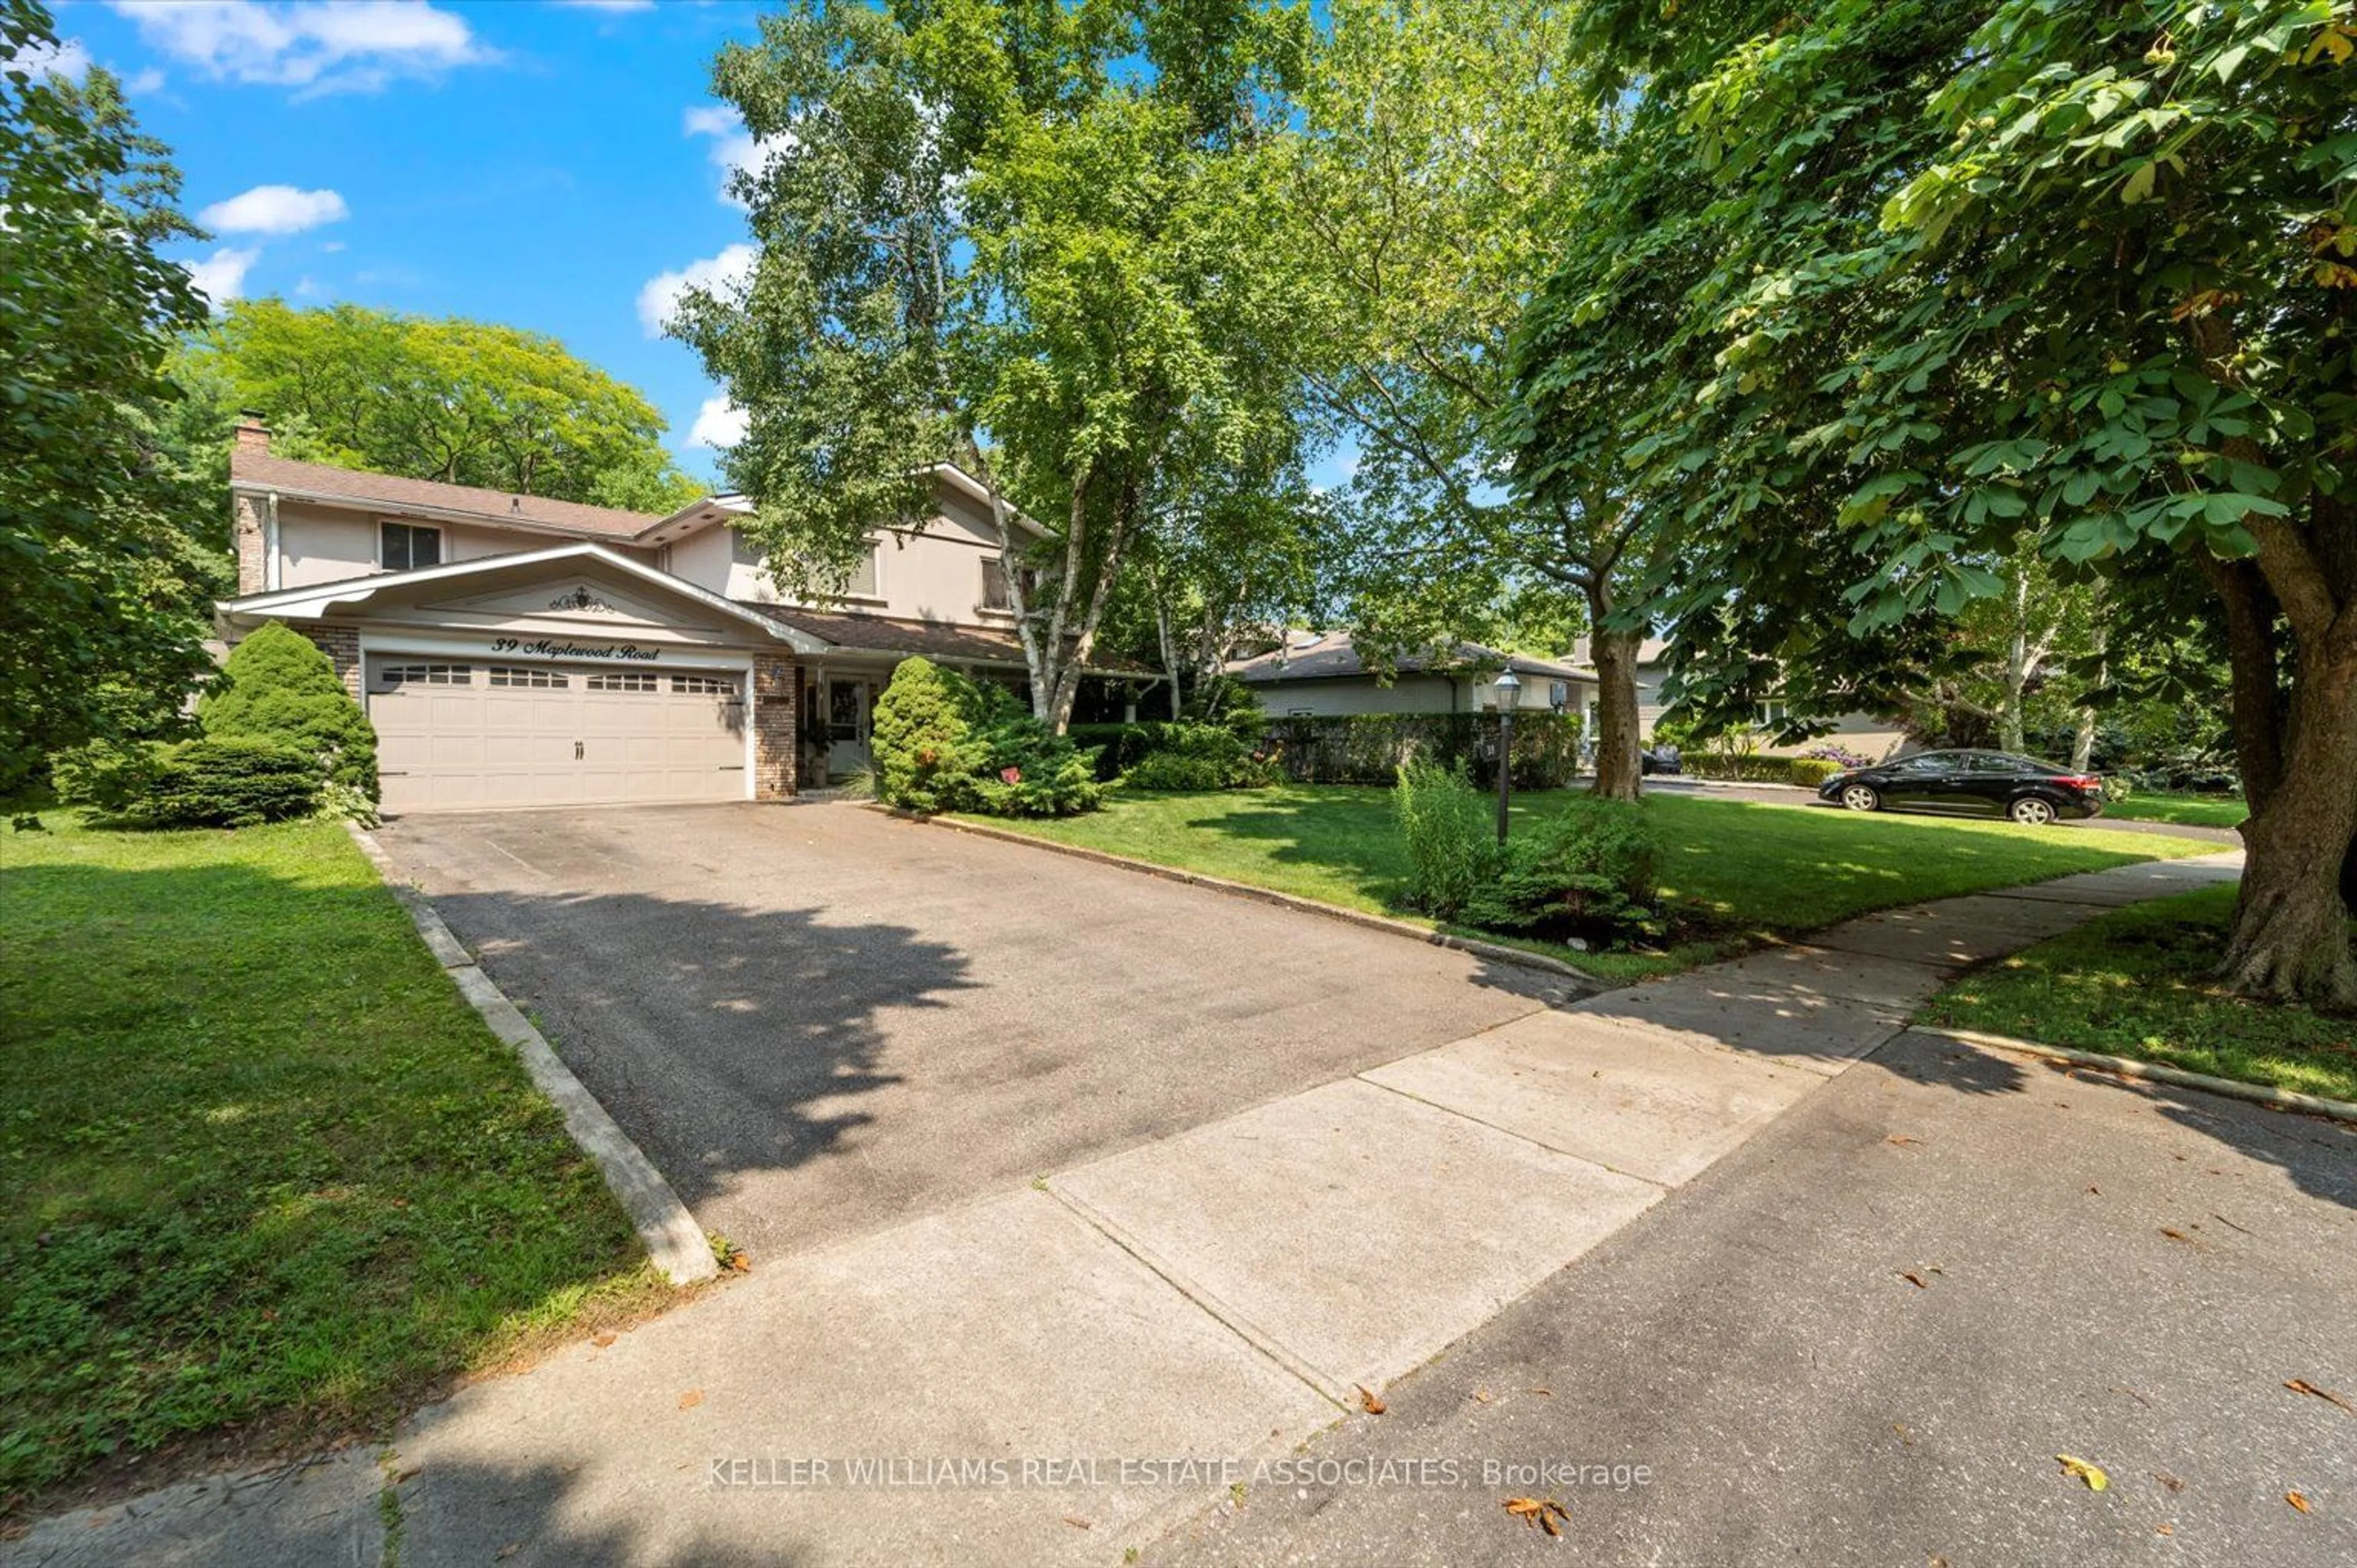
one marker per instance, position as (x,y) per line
(554,165)
(541,165)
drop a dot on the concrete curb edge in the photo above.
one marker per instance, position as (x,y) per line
(2127,1066)
(1495,951)
(674,1241)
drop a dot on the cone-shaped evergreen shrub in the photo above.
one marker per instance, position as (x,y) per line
(282,687)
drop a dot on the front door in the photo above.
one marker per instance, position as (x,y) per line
(847,726)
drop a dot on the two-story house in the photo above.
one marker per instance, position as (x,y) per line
(516,650)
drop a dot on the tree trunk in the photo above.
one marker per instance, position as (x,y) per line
(2290,941)
(1616,702)
(2082,740)
(2016,666)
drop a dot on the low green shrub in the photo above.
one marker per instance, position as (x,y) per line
(279,685)
(1809,772)
(1174,770)
(1591,871)
(1450,836)
(1202,756)
(2117,788)
(222,781)
(942,743)
(1027,770)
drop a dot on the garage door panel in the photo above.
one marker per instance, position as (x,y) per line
(546,735)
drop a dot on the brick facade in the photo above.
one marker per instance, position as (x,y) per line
(776,711)
(252,571)
(342,645)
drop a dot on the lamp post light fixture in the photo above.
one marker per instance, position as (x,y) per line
(1509,687)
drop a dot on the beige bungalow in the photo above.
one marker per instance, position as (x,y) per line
(514,651)
(1318,674)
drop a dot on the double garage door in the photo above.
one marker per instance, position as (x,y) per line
(453,736)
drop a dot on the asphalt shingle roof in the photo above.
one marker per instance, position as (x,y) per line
(260,471)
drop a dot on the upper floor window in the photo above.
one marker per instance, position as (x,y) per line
(1773,715)
(405,546)
(861,584)
(994,596)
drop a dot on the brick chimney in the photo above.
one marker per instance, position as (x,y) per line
(252,435)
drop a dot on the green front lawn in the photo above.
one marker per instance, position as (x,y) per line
(2136,982)
(1759,870)
(259,1163)
(2196,811)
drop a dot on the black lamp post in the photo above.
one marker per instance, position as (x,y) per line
(1508,688)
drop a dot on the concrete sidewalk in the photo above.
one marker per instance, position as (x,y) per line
(1217,1296)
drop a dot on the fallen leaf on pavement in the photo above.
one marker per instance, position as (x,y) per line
(2297,1500)
(1906,1438)
(1077,1522)
(2164,1530)
(2177,1235)
(1368,1402)
(509,1550)
(2091,1474)
(1481,1394)
(1548,1393)
(602,1340)
(2168,1480)
(1901,1138)
(1915,1280)
(1539,1512)
(740,1262)
(691,1399)
(2302,1386)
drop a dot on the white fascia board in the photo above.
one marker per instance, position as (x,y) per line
(325,598)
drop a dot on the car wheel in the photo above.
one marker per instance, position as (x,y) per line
(2031,812)
(1861,798)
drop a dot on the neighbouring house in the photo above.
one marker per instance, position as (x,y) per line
(1875,739)
(514,651)
(1318,674)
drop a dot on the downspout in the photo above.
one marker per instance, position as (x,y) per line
(271,574)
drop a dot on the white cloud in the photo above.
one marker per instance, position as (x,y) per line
(722,274)
(318,46)
(329,247)
(221,276)
(719,424)
(275,209)
(734,148)
(144,82)
(69,58)
(606,5)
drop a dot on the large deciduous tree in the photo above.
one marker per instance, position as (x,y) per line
(464,402)
(106,566)
(1440,145)
(1015,237)
(1960,276)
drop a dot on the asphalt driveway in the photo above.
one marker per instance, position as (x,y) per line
(818,1020)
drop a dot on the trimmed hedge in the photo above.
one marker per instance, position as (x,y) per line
(1809,772)
(1371,748)
(1752,768)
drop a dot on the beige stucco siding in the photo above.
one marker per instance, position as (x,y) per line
(324,544)
(1362,694)
(934,576)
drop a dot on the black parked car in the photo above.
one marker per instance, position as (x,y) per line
(1661,759)
(2024,789)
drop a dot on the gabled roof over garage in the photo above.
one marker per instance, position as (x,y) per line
(360,597)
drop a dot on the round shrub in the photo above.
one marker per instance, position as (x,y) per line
(924,750)
(280,686)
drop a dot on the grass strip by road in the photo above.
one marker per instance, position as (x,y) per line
(1753,872)
(2186,810)
(2137,982)
(265,1177)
